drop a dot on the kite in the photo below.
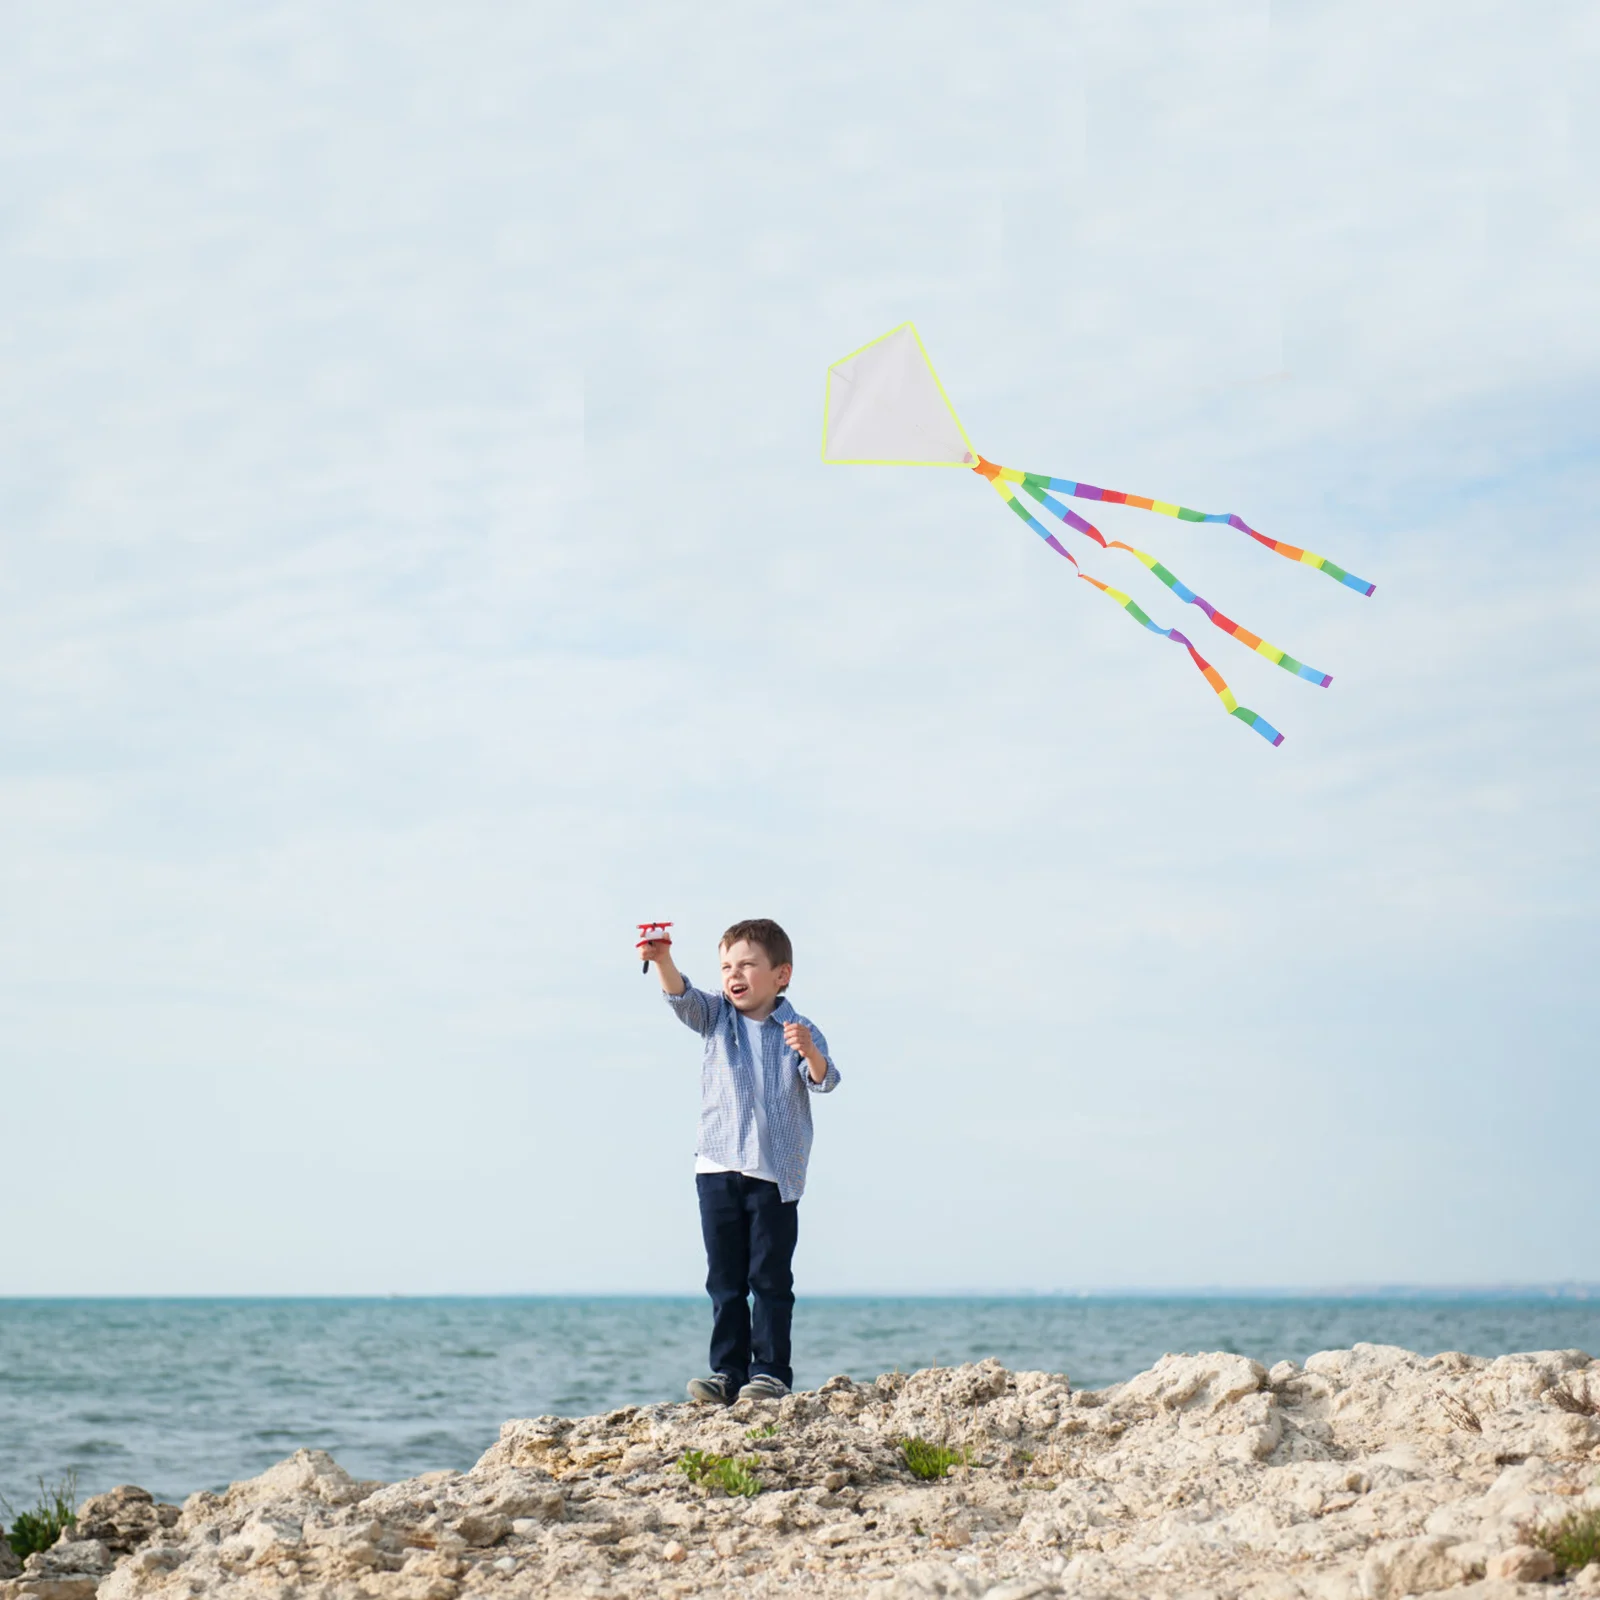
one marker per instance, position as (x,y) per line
(884,406)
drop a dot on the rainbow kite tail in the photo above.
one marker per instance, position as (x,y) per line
(1009,495)
(1034,484)
(1251,719)
(1293,552)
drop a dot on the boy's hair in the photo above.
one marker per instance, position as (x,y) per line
(766,935)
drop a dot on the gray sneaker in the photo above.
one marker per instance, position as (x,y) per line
(764,1387)
(712,1391)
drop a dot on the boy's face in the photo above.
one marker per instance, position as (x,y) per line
(749,979)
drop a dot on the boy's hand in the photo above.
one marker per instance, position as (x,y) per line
(798,1038)
(660,952)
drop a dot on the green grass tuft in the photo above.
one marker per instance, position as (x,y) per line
(929,1461)
(39,1528)
(1574,1541)
(767,1430)
(727,1473)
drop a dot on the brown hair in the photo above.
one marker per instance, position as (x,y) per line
(766,935)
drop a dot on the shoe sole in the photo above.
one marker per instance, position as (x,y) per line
(706,1397)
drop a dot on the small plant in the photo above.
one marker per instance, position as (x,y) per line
(36,1530)
(736,1477)
(929,1461)
(727,1473)
(1578,1405)
(1458,1411)
(1574,1541)
(767,1430)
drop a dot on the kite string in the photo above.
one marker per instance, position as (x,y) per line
(1292,552)
(1209,672)
(1280,658)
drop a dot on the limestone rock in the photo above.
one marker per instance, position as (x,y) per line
(53,1586)
(123,1518)
(1522,1563)
(1411,1566)
(1198,1384)
(1370,1472)
(483,1528)
(306,1472)
(70,1555)
(927,1580)
(71,1569)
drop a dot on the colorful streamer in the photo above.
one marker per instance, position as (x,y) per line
(1250,718)
(1034,484)
(1087,491)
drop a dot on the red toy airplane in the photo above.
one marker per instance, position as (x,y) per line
(652,933)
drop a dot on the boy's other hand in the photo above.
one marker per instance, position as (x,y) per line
(798,1038)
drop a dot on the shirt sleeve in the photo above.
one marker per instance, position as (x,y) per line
(830,1079)
(694,1008)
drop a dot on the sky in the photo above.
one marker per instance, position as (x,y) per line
(416,568)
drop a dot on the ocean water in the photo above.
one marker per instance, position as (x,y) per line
(179,1395)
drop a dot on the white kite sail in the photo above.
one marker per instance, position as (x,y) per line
(886,407)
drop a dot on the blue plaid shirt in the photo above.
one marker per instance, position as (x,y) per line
(727,1087)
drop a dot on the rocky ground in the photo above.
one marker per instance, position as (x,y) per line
(1368,1474)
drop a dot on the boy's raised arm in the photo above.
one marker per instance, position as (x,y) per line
(659,951)
(694,1007)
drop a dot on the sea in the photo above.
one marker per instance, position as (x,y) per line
(179,1395)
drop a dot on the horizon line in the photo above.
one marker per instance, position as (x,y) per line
(1574,1290)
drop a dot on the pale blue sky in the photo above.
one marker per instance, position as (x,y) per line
(415,568)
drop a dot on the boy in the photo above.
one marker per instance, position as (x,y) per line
(763,1061)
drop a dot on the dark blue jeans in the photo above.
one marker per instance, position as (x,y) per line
(750,1235)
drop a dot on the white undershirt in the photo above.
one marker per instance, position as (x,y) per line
(758,1074)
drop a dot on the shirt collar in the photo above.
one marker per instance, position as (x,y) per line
(782,1012)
